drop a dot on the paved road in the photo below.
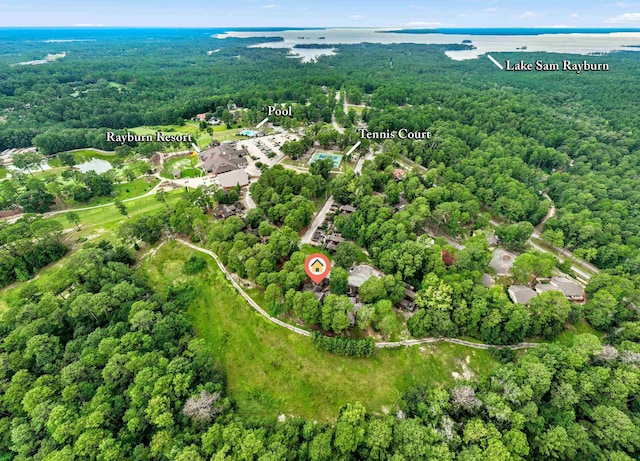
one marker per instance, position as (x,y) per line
(345,107)
(361,160)
(248,200)
(300,331)
(578,266)
(559,253)
(449,239)
(337,127)
(320,216)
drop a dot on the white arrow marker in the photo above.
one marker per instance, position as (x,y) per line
(259,125)
(495,62)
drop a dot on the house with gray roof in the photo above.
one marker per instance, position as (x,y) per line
(571,289)
(521,294)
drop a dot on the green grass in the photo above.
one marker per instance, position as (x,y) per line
(271,370)
(582,327)
(186,165)
(94,225)
(3,172)
(135,188)
(86,155)
(118,86)
(105,220)
(191,173)
(358,109)
(202,138)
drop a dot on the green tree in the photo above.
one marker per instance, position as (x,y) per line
(161,196)
(334,313)
(514,236)
(121,207)
(74,218)
(529,266)
(350,428)
(550,310)
(339,280)
(321,168)
(67,158)
(346,254)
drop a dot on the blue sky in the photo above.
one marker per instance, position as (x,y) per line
(329,13)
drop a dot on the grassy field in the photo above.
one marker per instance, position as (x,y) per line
(186,165)
(124,191)
(582,327)
(106,219)
(85,155)
(94,225)
(358,109)
(271,371)
(220,133)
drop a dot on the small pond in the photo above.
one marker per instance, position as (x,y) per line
(95,164)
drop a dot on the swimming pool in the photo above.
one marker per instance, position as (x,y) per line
(249,133)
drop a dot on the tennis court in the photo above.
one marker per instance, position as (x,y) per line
(324,155)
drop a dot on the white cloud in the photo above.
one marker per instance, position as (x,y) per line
(490,10)
(624,18)
(575,15)
(358,17)
(527,15)
(417,7)
(271,6)
(425,24)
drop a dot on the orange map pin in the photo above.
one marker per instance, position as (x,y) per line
(317,267)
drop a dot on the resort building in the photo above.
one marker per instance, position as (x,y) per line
(222,159)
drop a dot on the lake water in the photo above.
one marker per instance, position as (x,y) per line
(95,164)
(548,40)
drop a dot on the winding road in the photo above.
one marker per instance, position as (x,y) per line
(300,331)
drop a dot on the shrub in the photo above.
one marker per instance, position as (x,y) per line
(194,265)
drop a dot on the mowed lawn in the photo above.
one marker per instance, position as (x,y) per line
(108,217)
(271,371)
(220,132)
(96,224)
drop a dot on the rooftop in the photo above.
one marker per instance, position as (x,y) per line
(501,261)
(570,288)
(233,178)
(521,294)
(222,159)
(544,287)
(360,274)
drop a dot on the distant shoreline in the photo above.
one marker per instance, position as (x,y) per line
(511,31)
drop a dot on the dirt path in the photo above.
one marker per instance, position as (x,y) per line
(550,214)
